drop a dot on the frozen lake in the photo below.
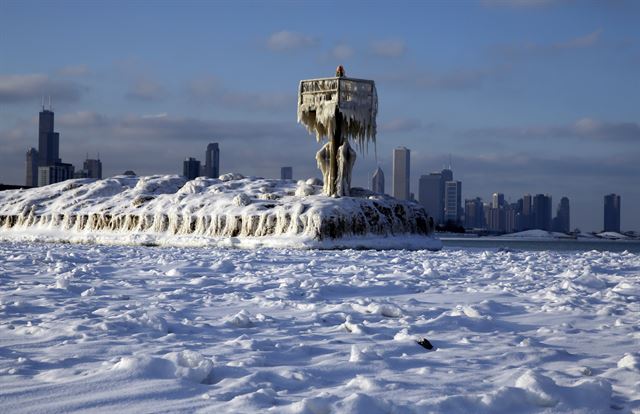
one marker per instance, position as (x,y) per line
(147,329)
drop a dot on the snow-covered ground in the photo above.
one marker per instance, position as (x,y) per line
(146,329)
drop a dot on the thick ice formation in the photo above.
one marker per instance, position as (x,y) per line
(355,99)
(232,210)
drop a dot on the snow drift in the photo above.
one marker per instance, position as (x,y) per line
(231,211)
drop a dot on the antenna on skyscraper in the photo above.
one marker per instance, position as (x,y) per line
(50,107)
(450,162)
(43,102)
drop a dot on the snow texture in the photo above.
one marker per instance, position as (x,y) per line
(230,211)
(135,329)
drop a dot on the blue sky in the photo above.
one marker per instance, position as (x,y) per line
(527,96)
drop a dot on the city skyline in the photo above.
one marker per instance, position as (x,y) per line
(520,108)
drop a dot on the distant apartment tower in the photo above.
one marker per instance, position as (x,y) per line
(286,173)
(453,201)
(541,212)
(32,168)
(431,195)
(473,213)
(55,173)
(401,173)
(562,220)
(191,168)
(612,212)
(212,161)
(377,181)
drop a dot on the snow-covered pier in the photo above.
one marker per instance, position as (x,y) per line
(232,211)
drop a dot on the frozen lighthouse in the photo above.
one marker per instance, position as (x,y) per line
(339,109)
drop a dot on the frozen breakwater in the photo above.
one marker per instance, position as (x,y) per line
(134,329)
(230,211)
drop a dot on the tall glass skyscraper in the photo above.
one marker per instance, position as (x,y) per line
(612,212)
(401,173)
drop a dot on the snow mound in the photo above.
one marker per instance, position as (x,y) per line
(537,234)
(187,365)
(612,235)
(232,211)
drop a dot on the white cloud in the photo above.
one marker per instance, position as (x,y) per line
(74,70)
(342,51)
(389,48)
(581,41)
(145,89)
(32,87)
(284,41)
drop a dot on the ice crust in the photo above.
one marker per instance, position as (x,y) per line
(230,211)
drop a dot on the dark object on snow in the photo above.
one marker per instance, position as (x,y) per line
(424,342)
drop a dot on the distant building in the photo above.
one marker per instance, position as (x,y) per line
(93,168)
(541,212)
(401,173)
(48,140)
(212,161)
(473,213)
(431,195)
(286,173)
(562,220)
(191,168)
(498,200)
(377,181)
(447,174)
(453,201)
(612,212)
(55,173)
(130,173)
(526,222)
(32,168)
(510,217)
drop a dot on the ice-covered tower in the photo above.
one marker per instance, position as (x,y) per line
(338,109)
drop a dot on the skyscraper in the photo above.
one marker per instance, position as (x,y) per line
(526,221)
(48,140)
(377,181)
(562,222)
(51,174)
(541,212)
(453,201)
(191,168)
(93,168)
(431,195)
(32,168)
(212,161)
(286,173)
(401,173)
(473,213)
(612,212)
(498,200)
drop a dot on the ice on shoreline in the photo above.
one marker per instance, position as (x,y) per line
(230,211)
